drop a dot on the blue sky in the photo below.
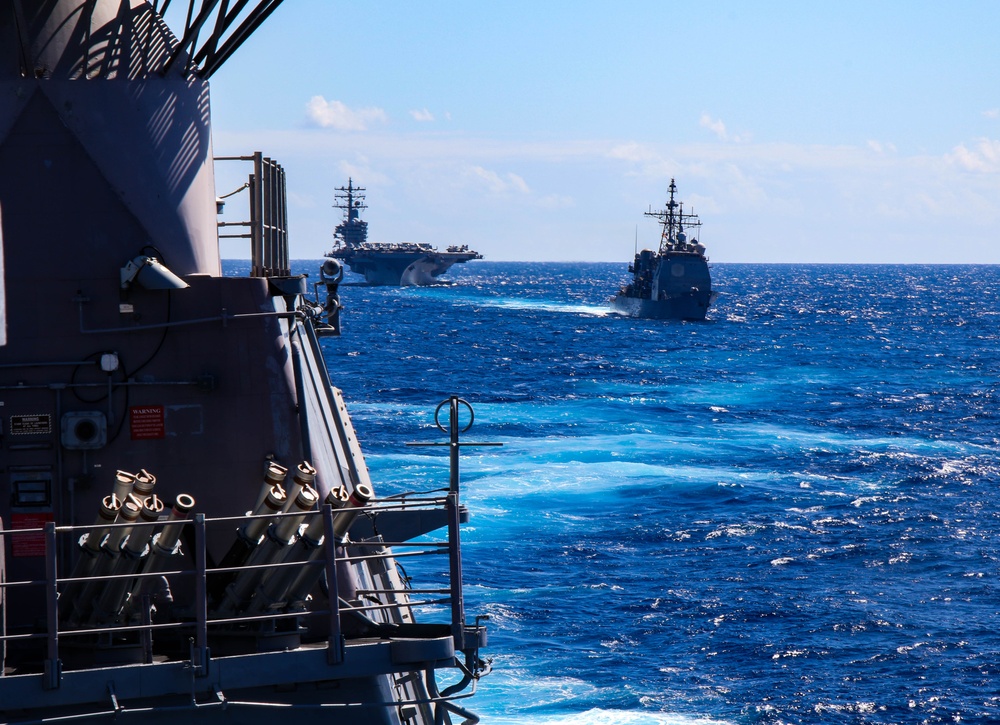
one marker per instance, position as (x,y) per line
(799,131)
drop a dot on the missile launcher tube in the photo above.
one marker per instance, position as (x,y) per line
(274,475)
(90,548)
(133,549)
(308,576)
(83,605)
(248,537)
(304,477)
(124,482)
(307,548)
(279,535)
(163,545)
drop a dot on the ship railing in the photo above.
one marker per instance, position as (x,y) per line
(267,227)
(200,623)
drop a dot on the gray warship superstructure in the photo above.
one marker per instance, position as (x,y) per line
(188,530)
(672,283)
(395,264)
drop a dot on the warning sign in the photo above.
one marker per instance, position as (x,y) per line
(146,422)
(21,425)
(31,544)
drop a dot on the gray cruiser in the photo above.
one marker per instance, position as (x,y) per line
(393,264)
(188,529)
(673,282)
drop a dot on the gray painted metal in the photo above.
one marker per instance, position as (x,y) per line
(672,282)
(387,264)
(106,157)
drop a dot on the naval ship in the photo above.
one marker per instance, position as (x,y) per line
(394,264)
(188,530)
(672,283)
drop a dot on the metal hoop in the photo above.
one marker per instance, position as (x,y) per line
(437,415)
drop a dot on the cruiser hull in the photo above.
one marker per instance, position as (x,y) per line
(672,282)
(671,286)
(688,307)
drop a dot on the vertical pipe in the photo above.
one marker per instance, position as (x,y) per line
(200,596)
(335,644)
(52,664)
(286,268)
(273,217)
(256,242)
(267,215)
(273,220)
(453,433)
(300,395)
(455,573)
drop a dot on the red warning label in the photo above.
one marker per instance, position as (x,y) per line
(146,422)
(32,544)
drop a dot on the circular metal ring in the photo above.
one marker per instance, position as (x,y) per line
(437,415)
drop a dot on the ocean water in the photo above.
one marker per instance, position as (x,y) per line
(787,513)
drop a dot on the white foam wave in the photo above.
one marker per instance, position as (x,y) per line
(540,305)
(599,716)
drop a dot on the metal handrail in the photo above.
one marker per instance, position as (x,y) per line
(202,622)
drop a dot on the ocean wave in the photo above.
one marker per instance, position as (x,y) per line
(600,716)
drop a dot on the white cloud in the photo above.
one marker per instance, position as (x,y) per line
(983,158)
(819,203)
(422,115)
(499,184)
(882,148)
(335,114)
(518,183)
(992,113)
(716,126)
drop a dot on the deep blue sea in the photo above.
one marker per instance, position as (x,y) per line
(787,513)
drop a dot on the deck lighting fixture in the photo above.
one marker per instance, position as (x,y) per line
(149,273)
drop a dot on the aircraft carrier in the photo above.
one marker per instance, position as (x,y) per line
(397,264)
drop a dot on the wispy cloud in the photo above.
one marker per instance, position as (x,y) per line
(422,115)
(714,125)
(337,115)
(880,147)
(864,202)
(992,113)
(499,184)
(984,157)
